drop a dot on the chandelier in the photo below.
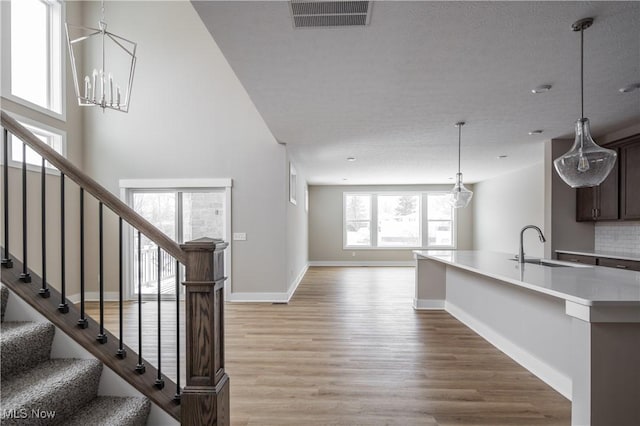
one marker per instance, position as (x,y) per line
(586,163)
(460,196)
(103,65)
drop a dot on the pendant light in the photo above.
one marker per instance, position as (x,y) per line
(585,164)
(103,65)
(460,196)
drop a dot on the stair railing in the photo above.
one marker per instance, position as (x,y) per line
(205,398)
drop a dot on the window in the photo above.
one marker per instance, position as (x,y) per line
(439,220)
(52,137)
(34,73)
(398,220)
(357,216)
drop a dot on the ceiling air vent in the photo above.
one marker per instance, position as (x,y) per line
(314,13)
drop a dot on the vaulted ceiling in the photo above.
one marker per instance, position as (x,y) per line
(390,92)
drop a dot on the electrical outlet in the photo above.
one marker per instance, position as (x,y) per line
(353,254)
(239,236)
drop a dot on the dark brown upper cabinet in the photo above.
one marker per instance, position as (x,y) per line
(630,180)
(618,197)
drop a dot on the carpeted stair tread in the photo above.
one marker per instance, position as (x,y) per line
(112,411)
(4,295)
(23,345)
(60,385)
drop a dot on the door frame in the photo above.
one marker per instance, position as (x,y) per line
(127,186)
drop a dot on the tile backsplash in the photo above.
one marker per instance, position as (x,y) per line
(623,237)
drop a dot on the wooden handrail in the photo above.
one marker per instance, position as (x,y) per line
(94,188)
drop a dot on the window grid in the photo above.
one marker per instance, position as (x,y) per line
(437,231)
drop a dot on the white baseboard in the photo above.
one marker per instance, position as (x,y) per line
(428,304)
(294,286)
(558,381)
(94,296)
(271,297)
(362,263)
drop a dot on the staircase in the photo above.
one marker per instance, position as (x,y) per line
(39,390)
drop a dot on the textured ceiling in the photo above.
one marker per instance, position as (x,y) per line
(390,93)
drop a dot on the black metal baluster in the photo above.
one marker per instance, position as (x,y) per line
(24,276)
(6,260)
(63,307)
(102,337)
(140,367)
(159,382)
(121,353)
(176,397)
(44,291)
(82,322)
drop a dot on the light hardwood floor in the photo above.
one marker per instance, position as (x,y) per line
(350,350)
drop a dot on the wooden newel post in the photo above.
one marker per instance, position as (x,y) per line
(205,398)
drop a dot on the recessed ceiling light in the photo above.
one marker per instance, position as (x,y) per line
(450,178)
(502,157)
(351,159)
(630,88)
(344,178)
(541,89)
(535,132)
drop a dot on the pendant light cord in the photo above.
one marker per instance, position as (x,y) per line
(581,72)
(102,9)
(459,138)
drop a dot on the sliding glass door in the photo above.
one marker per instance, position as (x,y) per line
(183,215)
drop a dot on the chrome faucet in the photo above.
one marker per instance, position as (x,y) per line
(540,235)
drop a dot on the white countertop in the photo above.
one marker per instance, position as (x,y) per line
(586,285)
(603,253)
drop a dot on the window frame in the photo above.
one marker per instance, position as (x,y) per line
(56,84)
(372,234)
(420,213)
(36,127)
(130,186)
(423,221)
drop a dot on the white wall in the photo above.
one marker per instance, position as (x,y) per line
(504,205)
(190,117)
(325,225)
(297,231)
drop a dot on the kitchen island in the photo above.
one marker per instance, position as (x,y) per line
(576,327)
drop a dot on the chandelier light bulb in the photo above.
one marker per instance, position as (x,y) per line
(583,163)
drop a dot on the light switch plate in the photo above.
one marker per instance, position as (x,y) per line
(239,236)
